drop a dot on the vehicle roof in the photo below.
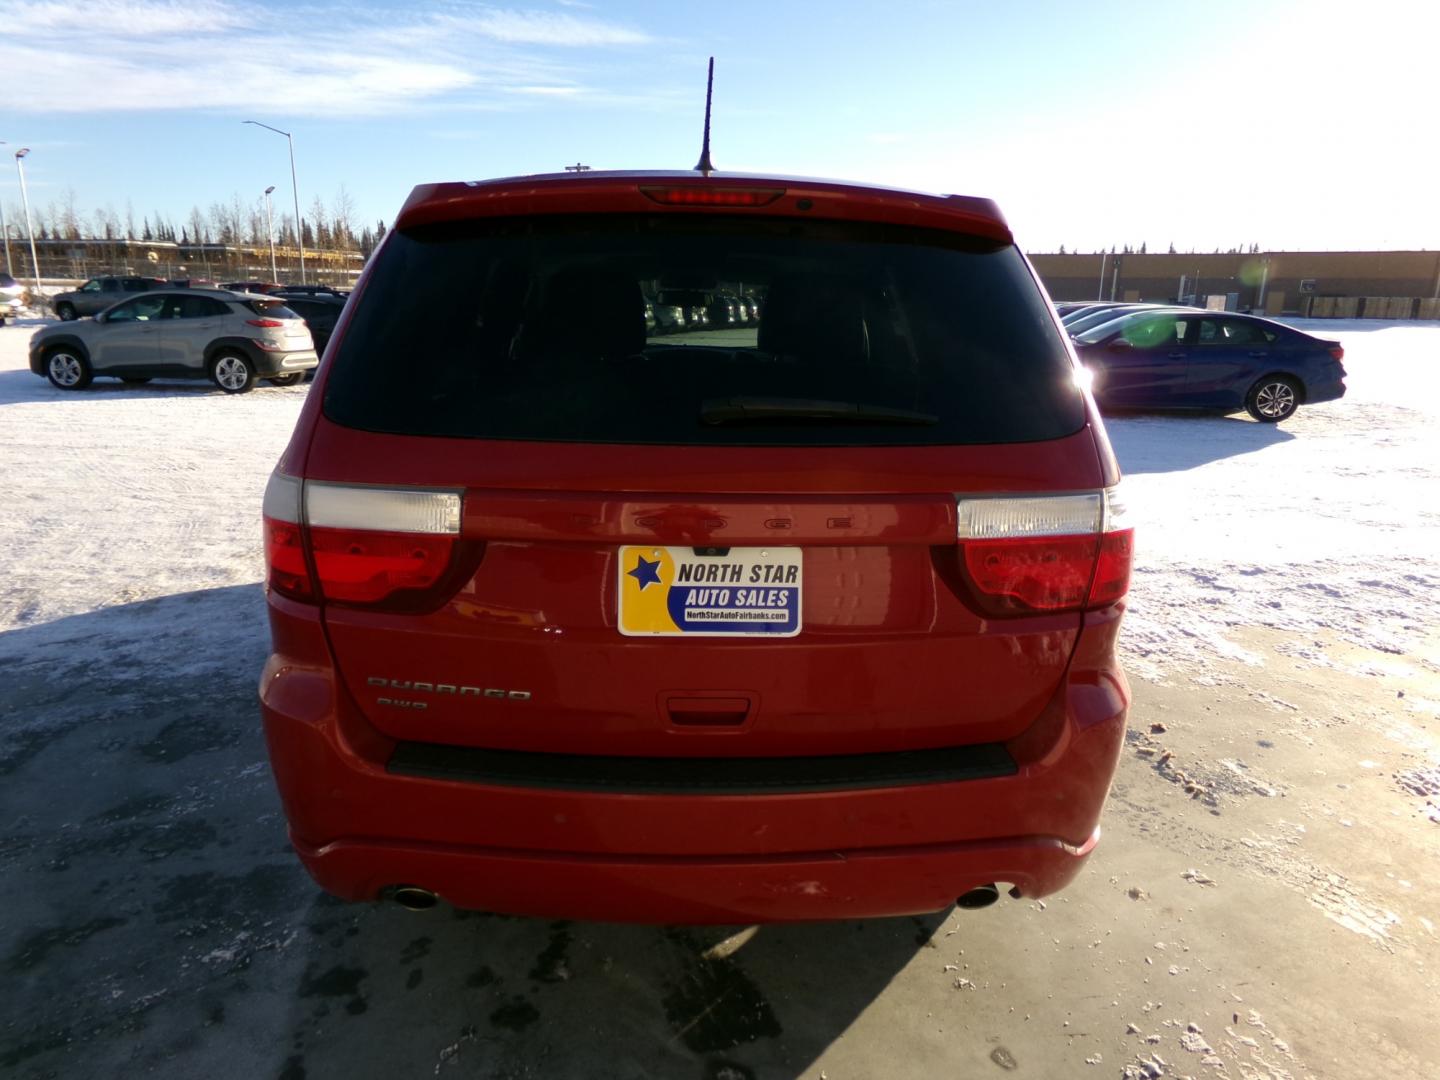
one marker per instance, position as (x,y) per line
(620,192)
(1154,309)
(216,294)
(1181,309)
(1097,308)
(1189,309)
(1115,311)
(1135,313)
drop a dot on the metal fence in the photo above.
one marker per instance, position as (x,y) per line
(76,260)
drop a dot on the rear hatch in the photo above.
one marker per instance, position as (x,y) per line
(277,328)
(720,541)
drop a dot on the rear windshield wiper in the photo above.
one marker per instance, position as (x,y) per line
(743,410)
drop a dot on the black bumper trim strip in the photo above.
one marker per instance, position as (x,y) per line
(700,776)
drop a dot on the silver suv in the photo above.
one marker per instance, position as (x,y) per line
(231,338)
(12,297)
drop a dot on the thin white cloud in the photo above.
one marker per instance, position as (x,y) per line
(124,18)
(546,91)
(452,135)
(132,55)
(136,79)
(550,28)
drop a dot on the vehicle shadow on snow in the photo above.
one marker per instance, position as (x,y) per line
(25,385)
(156,920)
(1156,443)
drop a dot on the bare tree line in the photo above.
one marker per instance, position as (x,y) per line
(237,221)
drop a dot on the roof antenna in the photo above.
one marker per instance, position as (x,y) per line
(703,165)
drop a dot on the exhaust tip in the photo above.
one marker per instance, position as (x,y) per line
(979,897)
(413,897)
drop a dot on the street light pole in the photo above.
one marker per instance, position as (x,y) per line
(294,191)
(270,232)
(25,202)
(4,232)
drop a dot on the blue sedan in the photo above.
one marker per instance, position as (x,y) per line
(1211,360)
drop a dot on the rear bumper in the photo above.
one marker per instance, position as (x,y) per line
(283,363)
(1325,392)
(809,886)
(690,858)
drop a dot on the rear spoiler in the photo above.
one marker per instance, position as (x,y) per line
(724,193)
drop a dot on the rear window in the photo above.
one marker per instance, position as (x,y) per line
(310,308)
(271,309)
(702,330)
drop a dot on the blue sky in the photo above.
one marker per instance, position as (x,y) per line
(1293,125)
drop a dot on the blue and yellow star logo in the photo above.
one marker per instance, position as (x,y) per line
(646,572)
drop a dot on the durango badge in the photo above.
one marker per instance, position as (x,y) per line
(446,688)
(712,592)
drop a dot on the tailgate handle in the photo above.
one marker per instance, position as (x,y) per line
(708,711)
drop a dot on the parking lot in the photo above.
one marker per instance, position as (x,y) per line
(1262,905)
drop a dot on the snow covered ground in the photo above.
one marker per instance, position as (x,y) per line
(120,493)
(1329,522)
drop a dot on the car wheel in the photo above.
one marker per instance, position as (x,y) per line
(232,372)
(135,380)
(67,369)
(286,380)
(66,312)
(1273,398)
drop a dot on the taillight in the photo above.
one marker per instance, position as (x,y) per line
(712,196)
(286,573)
(383,547)
(269,324)
(1047,553)
(1338,352)
(358,566)
(1117,553)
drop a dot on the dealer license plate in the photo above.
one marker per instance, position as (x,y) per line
(673,592)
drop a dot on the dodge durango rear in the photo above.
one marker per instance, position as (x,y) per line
(804,610)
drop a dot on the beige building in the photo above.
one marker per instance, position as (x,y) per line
(1385,284)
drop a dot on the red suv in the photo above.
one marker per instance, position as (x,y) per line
(808,619)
